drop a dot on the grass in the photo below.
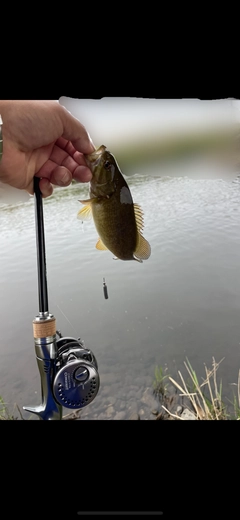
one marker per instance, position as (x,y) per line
(204,398)
(5,415)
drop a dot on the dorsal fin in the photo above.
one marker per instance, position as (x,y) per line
(139,217)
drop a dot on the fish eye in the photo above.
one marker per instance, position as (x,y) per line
(107,165)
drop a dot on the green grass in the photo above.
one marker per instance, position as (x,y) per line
(204,398)
(5,415)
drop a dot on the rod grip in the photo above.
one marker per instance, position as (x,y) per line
(45,328)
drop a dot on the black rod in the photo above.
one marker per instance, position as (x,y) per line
(41,255)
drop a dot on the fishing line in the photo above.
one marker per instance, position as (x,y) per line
(67,319)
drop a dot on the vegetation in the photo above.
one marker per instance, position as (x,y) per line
(203,399)
(4,412)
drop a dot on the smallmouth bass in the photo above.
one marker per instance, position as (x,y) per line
(117,219)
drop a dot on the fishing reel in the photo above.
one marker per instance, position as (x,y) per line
(76,381)
(68,371)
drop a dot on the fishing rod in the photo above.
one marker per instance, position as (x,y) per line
(68,371)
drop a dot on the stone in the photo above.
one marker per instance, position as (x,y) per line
(134,417)
(187,415)
(109,411)
(179,410)
(149,400)
(110,399)
(119,416)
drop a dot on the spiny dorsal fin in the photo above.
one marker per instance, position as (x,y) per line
(143,250)
(139,217)
(100,245)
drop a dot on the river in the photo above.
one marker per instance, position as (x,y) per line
(183,302)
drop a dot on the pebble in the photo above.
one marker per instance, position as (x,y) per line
(119,416)
(110,411)
(110,399)
(132,398)
(188,415)
(149,400)
(134,417)
(179,410)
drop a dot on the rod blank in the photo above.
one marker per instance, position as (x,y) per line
(41,255)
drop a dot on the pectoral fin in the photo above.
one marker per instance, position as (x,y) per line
(100,245)
(86,212)
(143,250)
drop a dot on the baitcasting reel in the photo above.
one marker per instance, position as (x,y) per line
(76,382)
(68,371)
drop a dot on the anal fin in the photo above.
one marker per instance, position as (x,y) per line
(100,245)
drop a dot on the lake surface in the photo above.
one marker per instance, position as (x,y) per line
(184,302)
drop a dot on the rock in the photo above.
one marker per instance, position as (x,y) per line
(101,416)
(110,399)
(109,411)
(132,407)
(187,415)
(149,400)
(119,416)
(131,394)
(134,417)
(179,410)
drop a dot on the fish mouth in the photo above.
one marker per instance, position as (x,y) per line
(93,159)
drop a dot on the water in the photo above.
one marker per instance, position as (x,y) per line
(182,302)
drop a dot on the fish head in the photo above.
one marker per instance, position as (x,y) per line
(104,172)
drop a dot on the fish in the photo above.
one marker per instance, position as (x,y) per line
(118,220)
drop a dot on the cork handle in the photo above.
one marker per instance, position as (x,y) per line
(44,329)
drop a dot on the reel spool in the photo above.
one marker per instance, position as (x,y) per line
(76,382)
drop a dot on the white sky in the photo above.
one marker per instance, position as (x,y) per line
(109,120)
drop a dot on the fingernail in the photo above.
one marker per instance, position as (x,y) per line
(66,178)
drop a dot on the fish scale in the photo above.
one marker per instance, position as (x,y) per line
(117,219)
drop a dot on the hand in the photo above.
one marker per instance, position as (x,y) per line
(42,138)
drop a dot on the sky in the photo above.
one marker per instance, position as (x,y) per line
(109,120)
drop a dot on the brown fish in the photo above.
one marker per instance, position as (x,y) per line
(118,220)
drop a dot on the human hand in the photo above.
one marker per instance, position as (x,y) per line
(42,138)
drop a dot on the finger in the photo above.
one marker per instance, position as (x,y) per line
(60,176)
(55,173)
(45,188)
(75,132)
(68,147)
(62,157)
